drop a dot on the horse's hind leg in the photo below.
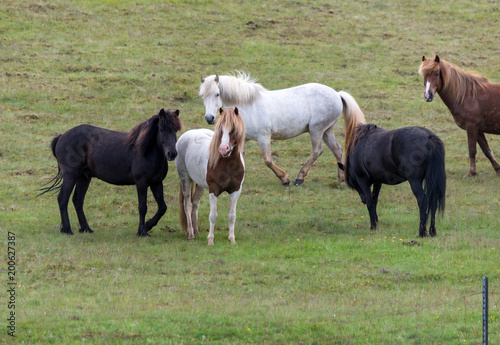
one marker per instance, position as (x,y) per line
(81,188)
(315,153)
(418,191)
(198,193)
(157,189)
(63,199)
(265,146)
(212,218)
(481,139)
(186,189)
(333,144)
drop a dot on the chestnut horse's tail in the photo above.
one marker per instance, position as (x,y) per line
(57,180)
(182,211)
(435,177)
(353,116)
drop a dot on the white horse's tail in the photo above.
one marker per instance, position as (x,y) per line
(353,116)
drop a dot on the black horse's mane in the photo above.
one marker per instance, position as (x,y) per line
(361,131)
(143,136)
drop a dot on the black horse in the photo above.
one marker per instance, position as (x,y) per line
(376,156)
(122,158)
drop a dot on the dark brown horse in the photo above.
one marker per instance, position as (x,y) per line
(473,101)
(138,157)
(213,161)
(376,156)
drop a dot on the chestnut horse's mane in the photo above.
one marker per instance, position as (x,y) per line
(457,83)
(229,119)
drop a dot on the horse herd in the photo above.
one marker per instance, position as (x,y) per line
(214,160)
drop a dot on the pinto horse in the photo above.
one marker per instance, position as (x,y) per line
(138,157)
(212,160)
(376,156)
(280,114)
(473,101)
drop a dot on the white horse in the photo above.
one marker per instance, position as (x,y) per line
(212,160)
(281,114)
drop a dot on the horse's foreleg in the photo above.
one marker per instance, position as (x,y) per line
(418,191)
(231,219)
(63,200)
(375,192)
(315,153)
(157,190)
(333,144)
(366,195)
(212,218)
(471,141)
(198,193)
(81,188)
(142,195)
(265,146)
(481,139)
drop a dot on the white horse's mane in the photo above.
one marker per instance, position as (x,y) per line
(237,89)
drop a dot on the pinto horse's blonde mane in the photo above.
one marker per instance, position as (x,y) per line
(237,89)
(231,120)
(457,83)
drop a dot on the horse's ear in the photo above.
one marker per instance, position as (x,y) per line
(162,112)
(177,112)
(202,80)
(423,57)
(437,58)
(341,166)
(216,78)
(221,110)
(236,110)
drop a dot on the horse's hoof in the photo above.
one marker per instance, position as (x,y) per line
(232,241)
(87,230)
(286,184)
(298,182)
(66,231)
(210,242)
(190,238)
(143,234)
(470,174)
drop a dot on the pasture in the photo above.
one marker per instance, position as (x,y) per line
(306,268)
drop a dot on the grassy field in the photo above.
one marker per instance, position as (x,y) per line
(306,268)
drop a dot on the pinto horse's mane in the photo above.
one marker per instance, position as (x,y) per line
(237,89)
(228,119)
(457,83)
(143,136)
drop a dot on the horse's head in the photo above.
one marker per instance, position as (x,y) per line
(168,126)
(229,136)
(430,70)
(210,91)
(233,131)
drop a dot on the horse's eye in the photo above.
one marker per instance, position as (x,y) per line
(217,95)
(437,74)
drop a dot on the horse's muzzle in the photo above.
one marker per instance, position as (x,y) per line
(429,96)
(171,155)
(210,119)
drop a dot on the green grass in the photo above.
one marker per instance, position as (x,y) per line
(306,269)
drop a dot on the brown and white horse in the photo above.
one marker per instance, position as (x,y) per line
(213,160)
(473,101)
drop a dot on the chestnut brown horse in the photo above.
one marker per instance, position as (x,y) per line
(473,101)
(213,160)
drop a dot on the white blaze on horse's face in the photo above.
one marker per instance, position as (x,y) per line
(225,147)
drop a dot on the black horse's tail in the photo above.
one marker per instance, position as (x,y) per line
(435,177)
(55,183)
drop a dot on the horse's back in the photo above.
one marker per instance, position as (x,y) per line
(192,155)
